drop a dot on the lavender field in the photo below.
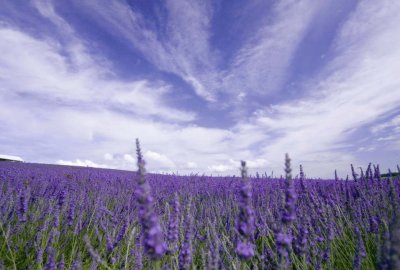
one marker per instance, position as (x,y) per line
(218,91)
(60,217)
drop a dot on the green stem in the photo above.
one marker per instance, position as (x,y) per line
(8,247)
(128,247)
(157,265)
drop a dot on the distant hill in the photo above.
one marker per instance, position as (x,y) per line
(394,174)
(10,158)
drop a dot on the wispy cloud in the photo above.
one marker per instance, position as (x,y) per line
(262,65)
(393,123)
(44,73)
(356,88)
(182,48)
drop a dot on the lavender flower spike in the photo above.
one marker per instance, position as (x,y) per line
(290,197)
(51,264)
(185,256)
(153,240)
(284,236)
(360,250)
(23,203)
(173,227)
(246,219)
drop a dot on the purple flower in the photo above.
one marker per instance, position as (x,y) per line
(302,178)
(394,228)
(93,253)
(93,266)
(246,219)
(23,203)
(289,215)
(153,240)
(384,258)
(39,255)
(77,264)
(283,240)
(110,243)
(301,241)
(185,255)
(138,259)
(121,233)
(374,224)
(51,264)
(283,235)
(71,213)
(61,198)
(360,250)
(173,230)
(61,264)
(353,173)
(245,250)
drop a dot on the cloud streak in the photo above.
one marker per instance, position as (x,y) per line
(263,63)
(44,73)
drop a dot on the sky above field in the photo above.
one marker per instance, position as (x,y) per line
(202,84)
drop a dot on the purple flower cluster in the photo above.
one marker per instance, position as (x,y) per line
(153,238)
(173,226)
(185,255)
(23,203)
(283,235)
(289,215)
(360,250)
(246,218)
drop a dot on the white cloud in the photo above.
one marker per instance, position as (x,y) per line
(220,168)
(258,164)
(44,73)
(366,149)
(158,160)
(393,123)
(388,138)
(108,156)
(129,158)
(82,163)
(191,165)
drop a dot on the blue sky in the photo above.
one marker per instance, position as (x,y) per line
(203,84)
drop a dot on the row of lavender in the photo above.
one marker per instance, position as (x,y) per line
(56,217)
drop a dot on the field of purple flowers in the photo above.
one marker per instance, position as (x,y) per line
(59,217)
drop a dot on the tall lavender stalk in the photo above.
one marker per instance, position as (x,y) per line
(51,264)
(185,256)
(173,226)
(246,219)
(23,203)
(360,250)
(302,178)
(153,239)
(284,235)
(353,172)
(289,214)
(394,227)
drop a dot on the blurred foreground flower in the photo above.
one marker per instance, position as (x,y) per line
(153,238)
(246,219)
